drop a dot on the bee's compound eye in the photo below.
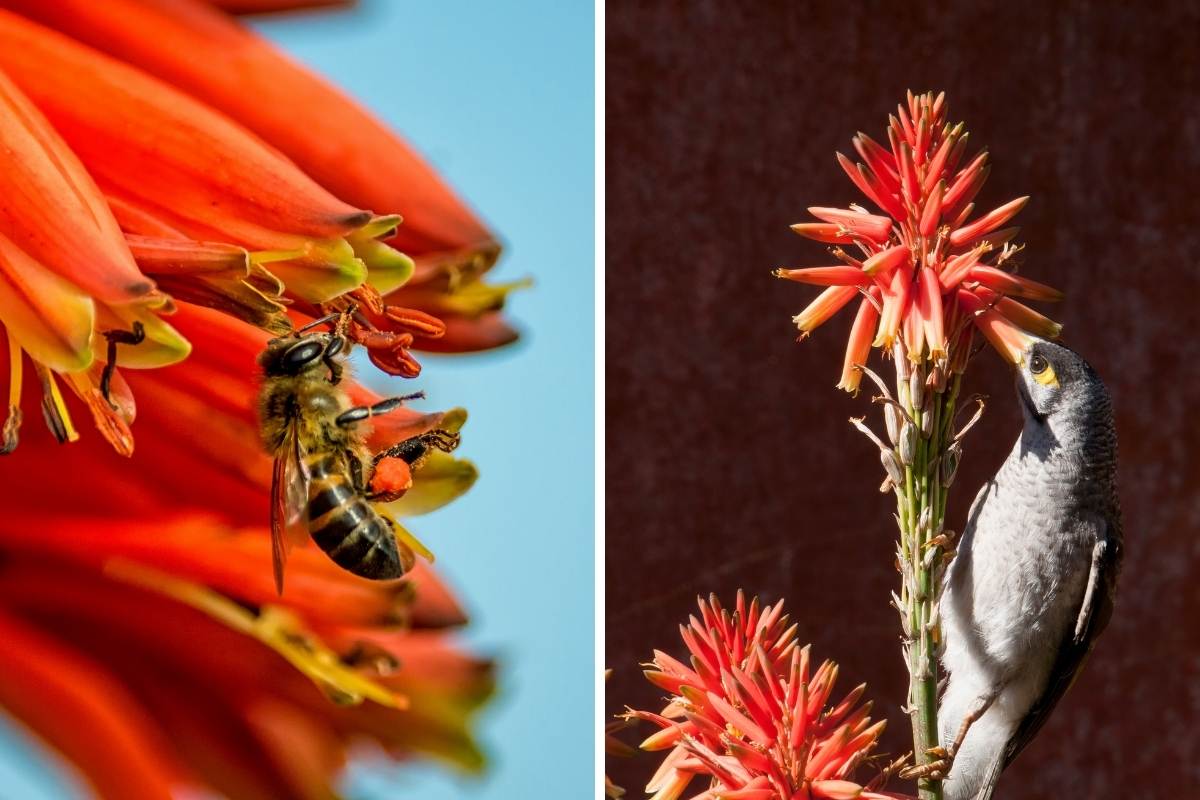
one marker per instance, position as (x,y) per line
(1037,365)
(300,355)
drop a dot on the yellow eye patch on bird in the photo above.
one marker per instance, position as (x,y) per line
(1042,372)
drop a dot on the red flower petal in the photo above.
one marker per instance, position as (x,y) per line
(989,222)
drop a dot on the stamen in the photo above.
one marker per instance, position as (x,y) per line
(274,627)
(54,409)
(12,423)
(108,420)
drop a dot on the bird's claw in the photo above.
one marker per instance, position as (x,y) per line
(937,769)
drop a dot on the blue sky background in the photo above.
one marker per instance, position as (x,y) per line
(499,96)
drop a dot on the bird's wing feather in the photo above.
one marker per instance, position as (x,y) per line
(989,780)
(1074,649)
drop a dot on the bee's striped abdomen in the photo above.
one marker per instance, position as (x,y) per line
(345,525)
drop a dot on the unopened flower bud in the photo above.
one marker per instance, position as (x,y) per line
(891,419)
(950,464)
(927,425)
(925,518)
(908,443)
(892,465)
(900,356)
(940,375)
(916,389)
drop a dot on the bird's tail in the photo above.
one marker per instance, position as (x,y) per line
(992,776)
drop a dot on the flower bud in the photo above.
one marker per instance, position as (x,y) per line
(950,464)
(924,520)
(940,375)
(916,389)
(892,465)
(891,419)
(908,443)
(900,356)
(927,425)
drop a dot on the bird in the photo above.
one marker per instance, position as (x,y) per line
(1032,584)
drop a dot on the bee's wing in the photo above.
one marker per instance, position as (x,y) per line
(289,492)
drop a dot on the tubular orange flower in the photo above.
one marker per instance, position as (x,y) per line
(751,716)
(173,166)
(159,150)
(859,346)
(828,303)
(68,279)
(149,609)
(331,138)
(924,257)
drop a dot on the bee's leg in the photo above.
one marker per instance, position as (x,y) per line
(414,449)
(359,413)
(335,346)
(135,336)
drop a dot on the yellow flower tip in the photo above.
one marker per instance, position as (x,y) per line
(454,419)
(379,227)
(660,740)
(268,256)
(161,346)
(387,268)
(440,480)
(327,269)
(50,317)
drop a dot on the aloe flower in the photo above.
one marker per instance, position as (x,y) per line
(751,717)
(927,267)
(147,642)
(145,227)
(928,272)
(66,276)
(170,165)
(210,213)
(339,144)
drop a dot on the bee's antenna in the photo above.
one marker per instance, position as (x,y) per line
(321,321)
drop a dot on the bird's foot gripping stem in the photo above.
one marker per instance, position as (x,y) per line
(937,769)
(943,757)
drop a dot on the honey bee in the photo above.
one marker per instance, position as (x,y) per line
(323,468)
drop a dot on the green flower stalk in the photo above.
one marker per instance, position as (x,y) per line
(927,275)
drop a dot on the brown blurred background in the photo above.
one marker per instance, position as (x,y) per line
(729,460)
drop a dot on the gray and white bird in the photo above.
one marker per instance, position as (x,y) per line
(1033,582)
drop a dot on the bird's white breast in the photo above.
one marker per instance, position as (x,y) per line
(1004,623)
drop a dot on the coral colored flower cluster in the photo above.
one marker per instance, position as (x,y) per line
(927,267)
(174,192)
(750,717)
(164,153)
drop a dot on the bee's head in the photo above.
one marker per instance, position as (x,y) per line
(293,355)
